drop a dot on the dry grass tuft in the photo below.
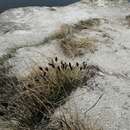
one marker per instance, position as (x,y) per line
(67,31)
(43,91)
(46,89)
(64,31)
(71,123)
(71,45)
(74,47)
(87,24)
(128,19)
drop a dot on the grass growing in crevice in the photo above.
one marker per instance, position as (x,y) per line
(87,24)
(64,31)
(46,89)
(71,122)
(72,45)
(35,98)
(68,30)
(128,19)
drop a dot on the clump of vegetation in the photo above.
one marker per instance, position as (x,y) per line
(74,47)
(87,24)
(128,19)
(64,31)
(44,90)
(69,30)
(71,123)
(35,98)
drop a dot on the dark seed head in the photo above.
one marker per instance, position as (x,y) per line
(59,68)
(29,85)
(56,59)
(70,66)
(40,68)
(77,64)
(81,68)
(52,65)
(37,80)
(44,74)
(61,124)
(46,68)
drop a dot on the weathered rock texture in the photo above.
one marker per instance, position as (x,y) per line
(23,41)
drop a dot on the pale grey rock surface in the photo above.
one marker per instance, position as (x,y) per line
(23,30)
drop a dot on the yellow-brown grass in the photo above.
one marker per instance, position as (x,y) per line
(45,89)
(87,24)
(64,31)
(74,47)
(70,122)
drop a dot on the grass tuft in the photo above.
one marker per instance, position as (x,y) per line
(128,19)
(87,24)
(71,123)
(74,47)
(64,31)
(45,89)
